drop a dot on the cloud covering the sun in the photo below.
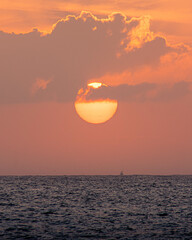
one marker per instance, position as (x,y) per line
(76,50)
(142,92)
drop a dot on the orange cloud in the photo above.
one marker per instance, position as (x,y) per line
(141,33)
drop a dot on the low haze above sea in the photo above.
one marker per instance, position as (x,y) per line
(96,207)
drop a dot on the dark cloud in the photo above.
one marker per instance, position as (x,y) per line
(177,91)
(78,49)
(140,93)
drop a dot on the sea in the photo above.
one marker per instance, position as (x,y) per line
(96,207)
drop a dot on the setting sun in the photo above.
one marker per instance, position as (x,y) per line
(95,85)
(94,111)
(95,119)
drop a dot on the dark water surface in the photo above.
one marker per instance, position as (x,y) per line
(96,207)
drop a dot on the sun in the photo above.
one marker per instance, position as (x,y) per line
(94,111)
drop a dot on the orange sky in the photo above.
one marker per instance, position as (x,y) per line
(144,53)
(171,17)
(141,139)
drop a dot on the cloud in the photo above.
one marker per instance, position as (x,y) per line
(137,93)
(173,67)
(23,15)
(75,51)
(40,84)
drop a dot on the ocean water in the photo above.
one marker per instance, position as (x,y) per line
(96,207)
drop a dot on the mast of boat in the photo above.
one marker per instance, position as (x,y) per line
(121,173)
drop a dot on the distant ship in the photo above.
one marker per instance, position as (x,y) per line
(121,173)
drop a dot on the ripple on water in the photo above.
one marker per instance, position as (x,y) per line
(96,207)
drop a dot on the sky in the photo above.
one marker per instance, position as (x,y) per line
(141,49)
